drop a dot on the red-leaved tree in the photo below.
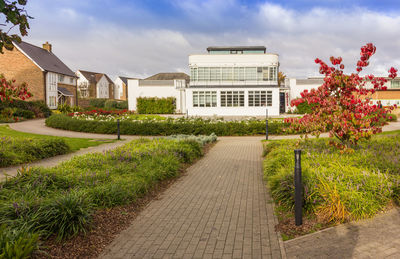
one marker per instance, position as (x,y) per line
(341,104)
(9,90)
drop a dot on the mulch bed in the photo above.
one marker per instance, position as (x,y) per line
(106,225)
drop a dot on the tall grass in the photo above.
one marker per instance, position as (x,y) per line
(59,201)
(337,187)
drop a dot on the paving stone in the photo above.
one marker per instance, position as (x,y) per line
(219,209)
(373,238)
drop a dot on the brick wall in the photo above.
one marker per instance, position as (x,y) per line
(15,65)
(387,95)
(124,92)
(110,91)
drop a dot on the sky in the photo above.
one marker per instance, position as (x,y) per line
(139,38)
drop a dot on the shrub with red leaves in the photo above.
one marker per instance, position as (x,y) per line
(341,103)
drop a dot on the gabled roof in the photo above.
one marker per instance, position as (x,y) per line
(46,60)
(125,79)
(169,76)
(94,77)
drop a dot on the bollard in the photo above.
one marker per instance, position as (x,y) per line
(266,124)
(118,131)
(298,189)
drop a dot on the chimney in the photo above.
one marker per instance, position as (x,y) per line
(47,46)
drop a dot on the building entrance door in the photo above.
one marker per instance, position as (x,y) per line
(282,103)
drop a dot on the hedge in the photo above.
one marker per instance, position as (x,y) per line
(38,108)
(166,127)
(15,151)
(153,105)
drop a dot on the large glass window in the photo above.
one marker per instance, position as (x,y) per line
(215,73)
(232,98)
(227,73)
(250,73)
(273,74)
(193,74)
(204,99)
(395,84)
(234,74)
(260,98)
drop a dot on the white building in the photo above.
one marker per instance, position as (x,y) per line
(235,81)
(297,86)
(161,85)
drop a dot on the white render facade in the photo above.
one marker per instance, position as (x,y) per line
(157,88)
(234,81)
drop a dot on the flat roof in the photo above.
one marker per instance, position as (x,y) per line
(263,48)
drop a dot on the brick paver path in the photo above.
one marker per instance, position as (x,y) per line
(220,209)
(373,238)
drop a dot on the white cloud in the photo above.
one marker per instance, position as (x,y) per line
(137,47)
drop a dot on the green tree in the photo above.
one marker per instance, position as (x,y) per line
(15,15)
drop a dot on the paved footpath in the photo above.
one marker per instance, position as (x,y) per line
(378,237)
(220,209)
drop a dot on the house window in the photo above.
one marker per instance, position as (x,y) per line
(61,78)
(395,84)
(193,74)
(71,80)
(52,101)
(232,98)
(205,99)
(260,98)
(273,74)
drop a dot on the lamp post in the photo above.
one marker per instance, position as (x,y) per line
(298,189)
(118,130)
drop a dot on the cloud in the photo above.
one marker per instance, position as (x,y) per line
(133,38)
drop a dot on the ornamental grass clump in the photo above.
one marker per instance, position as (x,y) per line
(59,202)
(338,187)
(342,104)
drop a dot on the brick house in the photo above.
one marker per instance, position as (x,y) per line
(94,85)
(48,78)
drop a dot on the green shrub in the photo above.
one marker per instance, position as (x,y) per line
(392,117)
(154,105)
(98,102)
(39,108)
(24,113)
(167,127)
(337,187)
(17,243)
(303,108)
(15,151)
(114,104)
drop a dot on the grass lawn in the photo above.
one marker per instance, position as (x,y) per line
(74,143)
(338,187)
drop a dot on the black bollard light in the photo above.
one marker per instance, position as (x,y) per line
(118,131)
(266,124)
(298,189)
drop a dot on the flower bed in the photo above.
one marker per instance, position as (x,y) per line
(61,200)
(338,187)
(157,125)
